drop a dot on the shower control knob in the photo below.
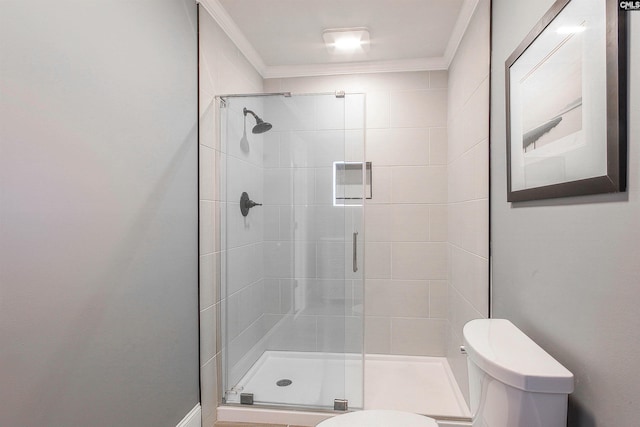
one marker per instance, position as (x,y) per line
(246,203)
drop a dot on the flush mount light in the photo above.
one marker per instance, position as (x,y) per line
(346,40)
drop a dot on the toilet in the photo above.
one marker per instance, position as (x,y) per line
(512,383)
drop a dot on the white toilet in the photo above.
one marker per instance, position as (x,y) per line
(512,383)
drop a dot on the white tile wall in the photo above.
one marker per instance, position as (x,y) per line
(208,183)
(438,79)
(377,335)
(277,186)
(209,273)
(297,333)
(438,223)
(209,394)
(377,224)
(377,110)
(419,261)
(224,70)
(382,188)
(208,321)
(207,227)
(468,183)
(355,111)
(406,220)
(438,146)
(419,108)
(467,269)
(419,184)
(378,260)
(292,114)
(418,336)
(323,186)
(410,147)
(397,298)
(244,266)
(331,111)
(410,223)
(438,299)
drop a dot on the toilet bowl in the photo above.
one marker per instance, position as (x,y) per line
(379,418)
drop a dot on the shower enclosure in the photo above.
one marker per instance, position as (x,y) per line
(293,185)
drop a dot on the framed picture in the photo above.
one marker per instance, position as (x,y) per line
(566,104)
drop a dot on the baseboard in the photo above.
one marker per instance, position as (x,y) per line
(193,418)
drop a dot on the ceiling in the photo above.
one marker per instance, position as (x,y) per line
(283,38)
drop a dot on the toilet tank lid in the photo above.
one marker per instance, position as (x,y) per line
(503,351)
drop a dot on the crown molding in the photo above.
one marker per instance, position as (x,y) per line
(460,28)
(220,15)
(419,64)
(231,29)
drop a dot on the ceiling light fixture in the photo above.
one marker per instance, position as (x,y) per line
(346,40)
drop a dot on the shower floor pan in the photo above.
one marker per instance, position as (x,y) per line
(316,379)
(423,385)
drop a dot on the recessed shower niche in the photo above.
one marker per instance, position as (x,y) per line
(348,179)
(292,245)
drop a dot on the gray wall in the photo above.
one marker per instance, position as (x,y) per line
(567,271)
(98,213)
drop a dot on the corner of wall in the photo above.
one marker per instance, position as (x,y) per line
(468,188)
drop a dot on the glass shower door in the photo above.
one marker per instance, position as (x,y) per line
(293,266)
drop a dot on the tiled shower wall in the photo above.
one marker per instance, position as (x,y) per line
(308,276)
(242,241)
(406,219)
(468,178)
(223,69)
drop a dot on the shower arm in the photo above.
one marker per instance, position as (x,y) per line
(245,111)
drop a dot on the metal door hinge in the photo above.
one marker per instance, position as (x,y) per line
(340,405)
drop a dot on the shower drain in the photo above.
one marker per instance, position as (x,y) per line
(283,383)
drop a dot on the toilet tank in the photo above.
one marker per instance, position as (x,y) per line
(512,381)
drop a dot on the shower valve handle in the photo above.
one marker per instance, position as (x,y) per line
(246,203)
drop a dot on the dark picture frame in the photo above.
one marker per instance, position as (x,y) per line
(566,98)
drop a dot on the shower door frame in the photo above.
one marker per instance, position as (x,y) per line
(223,345)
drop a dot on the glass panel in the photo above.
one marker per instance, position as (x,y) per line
(292,277)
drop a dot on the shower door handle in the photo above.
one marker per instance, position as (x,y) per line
(355,251)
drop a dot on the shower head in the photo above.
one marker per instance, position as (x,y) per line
(261,126)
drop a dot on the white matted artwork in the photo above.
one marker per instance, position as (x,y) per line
(562,89)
